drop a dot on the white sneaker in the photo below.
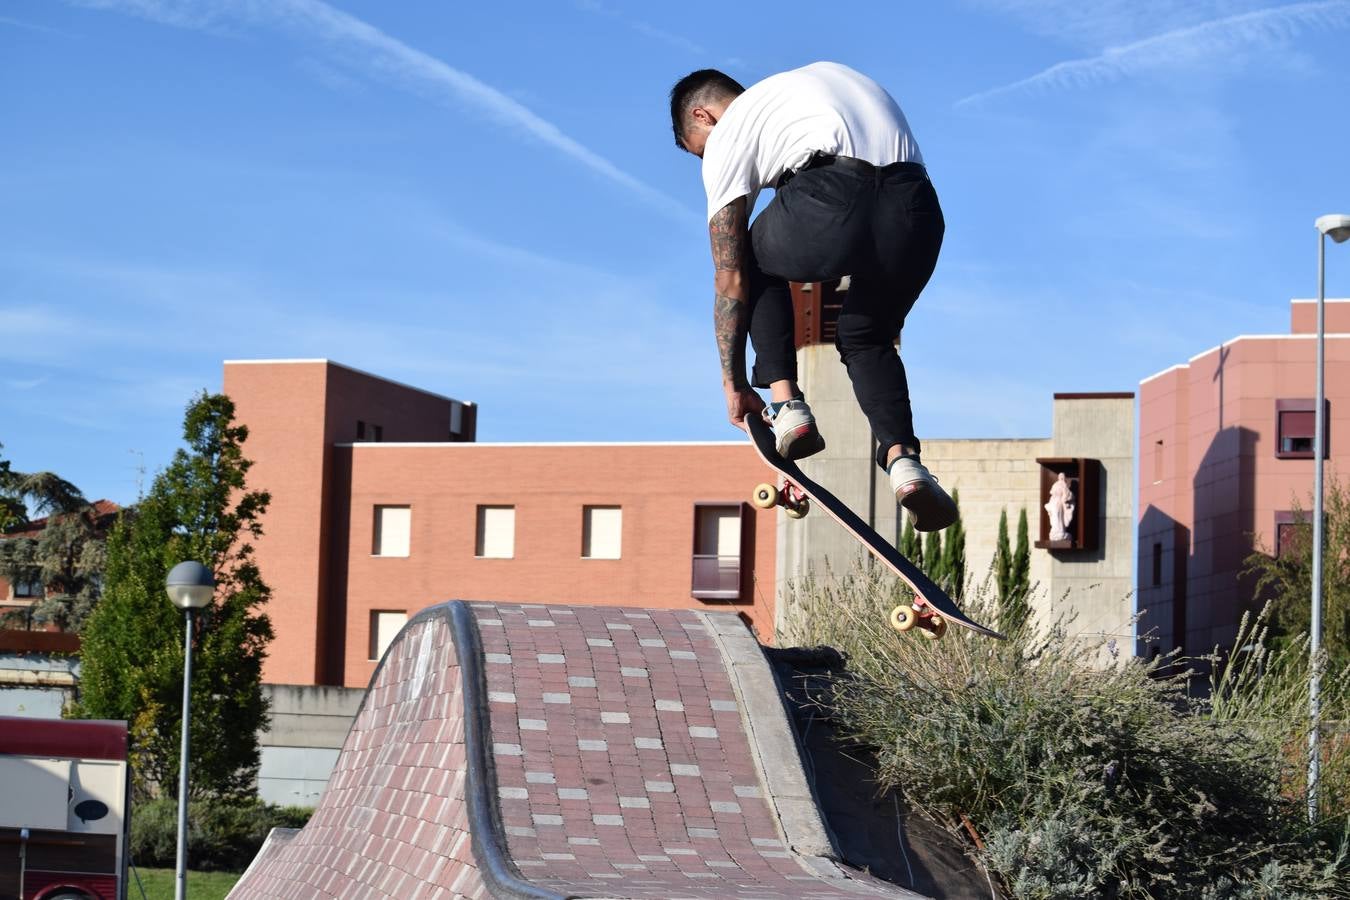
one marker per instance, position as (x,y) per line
(794,430)
(918,491)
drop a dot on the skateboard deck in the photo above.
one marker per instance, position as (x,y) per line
(932,603)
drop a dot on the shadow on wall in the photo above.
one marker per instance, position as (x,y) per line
(1192,594)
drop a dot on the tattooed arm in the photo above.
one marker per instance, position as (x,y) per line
(731,311)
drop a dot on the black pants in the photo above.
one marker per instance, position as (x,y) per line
(881,226)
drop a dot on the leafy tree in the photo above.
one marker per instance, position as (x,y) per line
(1286,579)
(13,513)
(66,558)
(954,552)
(198,508)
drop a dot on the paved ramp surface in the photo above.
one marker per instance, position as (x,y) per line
(524,751)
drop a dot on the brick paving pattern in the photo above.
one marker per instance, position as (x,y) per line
(622,764)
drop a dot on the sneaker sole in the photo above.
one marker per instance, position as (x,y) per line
(930,510)
(805,441)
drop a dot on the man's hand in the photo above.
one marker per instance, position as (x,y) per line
(742,402)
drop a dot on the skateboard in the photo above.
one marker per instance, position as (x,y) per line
(932,609)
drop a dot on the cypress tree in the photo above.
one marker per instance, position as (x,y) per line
(911,547)
(932,557)
(954,552)
(1003,562)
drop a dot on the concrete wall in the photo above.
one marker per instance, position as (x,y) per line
(1096,586)
(992,475)
(309,725)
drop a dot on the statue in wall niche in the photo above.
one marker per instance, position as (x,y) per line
(1060,508)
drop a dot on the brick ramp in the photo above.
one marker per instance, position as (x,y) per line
(522,751)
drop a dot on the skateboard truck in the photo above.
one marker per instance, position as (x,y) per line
(919,614)
(792,498)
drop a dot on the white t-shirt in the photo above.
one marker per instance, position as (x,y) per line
(777,124)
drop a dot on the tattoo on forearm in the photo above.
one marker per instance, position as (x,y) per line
(731,317)
(727,229)
(731,321)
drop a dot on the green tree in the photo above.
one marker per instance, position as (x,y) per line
(1286,579)
(13,512)
(954,552)
(1012,574)
(911,545)
(198,508)
(67,556)
(932,557)
(1021,560)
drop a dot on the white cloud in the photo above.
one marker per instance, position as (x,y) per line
(391,59)
(1179,47)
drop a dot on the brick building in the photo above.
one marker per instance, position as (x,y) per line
(383,504)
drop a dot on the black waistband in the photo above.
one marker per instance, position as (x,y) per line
(850,164)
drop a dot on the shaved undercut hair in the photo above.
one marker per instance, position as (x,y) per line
(699,89)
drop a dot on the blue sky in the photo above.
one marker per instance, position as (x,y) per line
(484,199)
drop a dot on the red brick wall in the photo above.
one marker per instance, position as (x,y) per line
(296,411)
(655,485)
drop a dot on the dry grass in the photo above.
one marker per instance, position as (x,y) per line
(1084,779)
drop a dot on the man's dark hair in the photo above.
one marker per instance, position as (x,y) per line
(699,89)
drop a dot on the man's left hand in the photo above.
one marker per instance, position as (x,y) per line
(742,402)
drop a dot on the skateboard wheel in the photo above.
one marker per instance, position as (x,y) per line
(935,628)
(903,618)
(765,496)
(802,508)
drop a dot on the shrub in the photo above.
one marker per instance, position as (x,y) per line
(1082,772)
(221,836)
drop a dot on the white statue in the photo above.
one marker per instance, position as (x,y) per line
(1060,508)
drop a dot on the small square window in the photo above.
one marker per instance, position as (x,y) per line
(1295,429)
(496,532)
(384,627)
(601,532)
(393,531)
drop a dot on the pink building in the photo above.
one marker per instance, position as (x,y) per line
(1225,454)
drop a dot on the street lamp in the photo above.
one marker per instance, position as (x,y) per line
(1337,227)
(190,586)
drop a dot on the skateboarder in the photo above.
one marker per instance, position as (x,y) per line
(852,197)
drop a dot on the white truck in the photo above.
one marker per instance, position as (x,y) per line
(63,809)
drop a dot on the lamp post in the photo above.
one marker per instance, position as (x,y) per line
(1337,227)
(190,586)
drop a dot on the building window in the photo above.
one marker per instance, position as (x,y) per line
(369,432)
(496,532)
(1293,533)
(379,433)
(1295,424)
(1157,462)
(385,625)
(1157,565)
(719,533)
(393,531)
(601,532)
